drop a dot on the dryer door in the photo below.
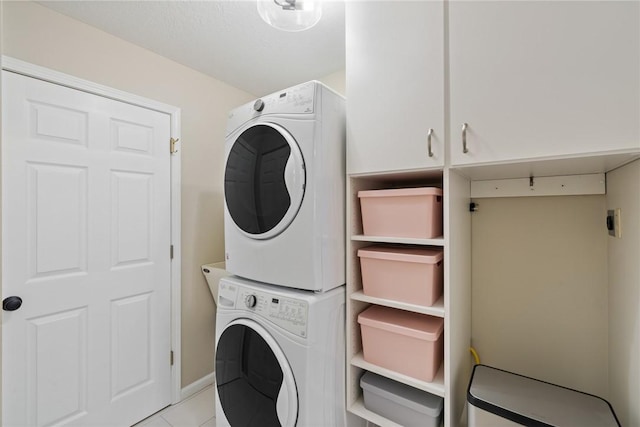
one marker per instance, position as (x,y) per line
(264,180)
(255,384)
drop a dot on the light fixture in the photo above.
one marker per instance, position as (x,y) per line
(290,15)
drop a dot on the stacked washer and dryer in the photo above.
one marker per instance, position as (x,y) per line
(280,322)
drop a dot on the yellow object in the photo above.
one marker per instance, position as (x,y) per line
(475,355)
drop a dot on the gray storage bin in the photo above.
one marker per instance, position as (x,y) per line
(400,403)
(499,398)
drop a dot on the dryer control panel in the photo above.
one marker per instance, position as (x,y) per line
(288,313)
(298,99)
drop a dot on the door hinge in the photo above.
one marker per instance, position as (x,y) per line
(171,357)
(172,145)
(171,251)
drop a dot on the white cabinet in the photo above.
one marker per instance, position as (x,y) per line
(542,79)
(546,88)
(395,85)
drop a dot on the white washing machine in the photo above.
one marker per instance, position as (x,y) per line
(284,188)
(279,356)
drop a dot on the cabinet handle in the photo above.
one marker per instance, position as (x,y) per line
(429,142)
(464,138)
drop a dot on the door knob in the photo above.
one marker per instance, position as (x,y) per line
(11,303)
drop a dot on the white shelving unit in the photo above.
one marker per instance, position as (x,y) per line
(452,109)
(451,378)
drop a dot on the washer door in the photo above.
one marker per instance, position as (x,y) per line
(255,383)
(264,180)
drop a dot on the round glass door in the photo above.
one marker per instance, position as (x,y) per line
(255,383)
(264,180)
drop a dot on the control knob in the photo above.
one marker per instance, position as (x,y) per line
(250,301)
(258,105)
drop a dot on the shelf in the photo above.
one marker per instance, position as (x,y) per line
(426,173)
(437,309)
(405,240)
(549,166)
(358,409)
(435,387)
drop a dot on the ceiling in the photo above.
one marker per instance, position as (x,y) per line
(225,39)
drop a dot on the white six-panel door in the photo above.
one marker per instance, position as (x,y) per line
(86,238)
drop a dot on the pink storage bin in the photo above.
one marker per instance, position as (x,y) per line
(408,343)
(405,212)
(411,275)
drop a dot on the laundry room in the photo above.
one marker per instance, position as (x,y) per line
(191,190)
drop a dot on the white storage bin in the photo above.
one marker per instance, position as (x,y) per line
(399,402)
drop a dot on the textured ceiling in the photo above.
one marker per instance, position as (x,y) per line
(225,39)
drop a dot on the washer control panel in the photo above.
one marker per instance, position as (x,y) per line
(250,301)
(288,313)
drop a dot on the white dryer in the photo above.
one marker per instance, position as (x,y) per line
(284,188)
(279,356)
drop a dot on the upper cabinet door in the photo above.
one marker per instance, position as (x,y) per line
(395,85)
(543,79)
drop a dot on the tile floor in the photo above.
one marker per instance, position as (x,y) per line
(196,411)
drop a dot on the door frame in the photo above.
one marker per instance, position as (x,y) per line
(62,79)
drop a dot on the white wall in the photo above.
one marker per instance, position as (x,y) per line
(38,35)
(539,288)
(336,81)
(623,191)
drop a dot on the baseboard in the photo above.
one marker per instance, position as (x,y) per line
(196,386)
